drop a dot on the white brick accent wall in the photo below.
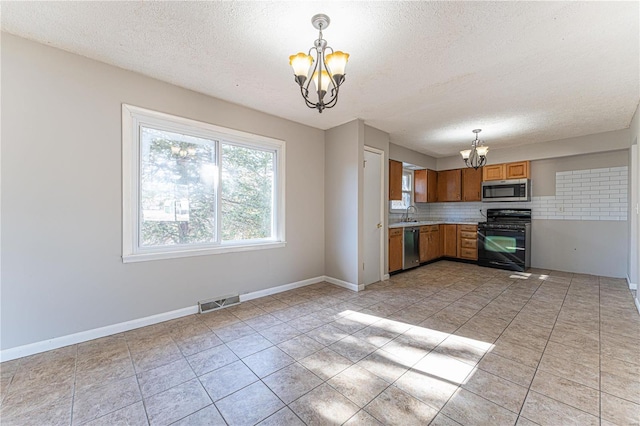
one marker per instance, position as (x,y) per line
(595,194)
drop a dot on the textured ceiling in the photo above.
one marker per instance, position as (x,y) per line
(425,72)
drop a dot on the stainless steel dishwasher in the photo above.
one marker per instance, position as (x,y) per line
(411,257)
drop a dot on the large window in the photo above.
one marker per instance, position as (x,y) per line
(192,188)
(407,192)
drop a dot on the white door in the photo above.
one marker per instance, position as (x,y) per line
(373,216)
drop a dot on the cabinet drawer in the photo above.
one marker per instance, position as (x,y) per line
(471,228)
(466,243)
(395,232)
(424,229)
(469,253)
(468,235)
(433,228)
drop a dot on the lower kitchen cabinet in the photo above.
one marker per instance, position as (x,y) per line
(468,242)
(449,240)
(395,249)
(429,243)
(434,251)
(436,241)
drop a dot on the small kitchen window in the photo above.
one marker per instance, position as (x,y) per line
(191,188)
(407,192)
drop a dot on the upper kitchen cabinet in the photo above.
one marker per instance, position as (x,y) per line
(471,184)
(425,186)
(493,172)
(517,170)
(395,180)
(450,185)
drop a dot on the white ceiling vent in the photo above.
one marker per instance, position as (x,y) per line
(212,305)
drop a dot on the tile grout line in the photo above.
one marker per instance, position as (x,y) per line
(531,390)
(514,282)
(599,353)
(73,394)
(545,348)
(135,373)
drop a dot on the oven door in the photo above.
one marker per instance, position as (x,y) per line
(502,248)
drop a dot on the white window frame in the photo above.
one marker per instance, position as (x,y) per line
(410,192)
(132,119)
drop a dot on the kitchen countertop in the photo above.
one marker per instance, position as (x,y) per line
(429,222)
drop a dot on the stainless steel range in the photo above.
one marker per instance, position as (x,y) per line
(504,240)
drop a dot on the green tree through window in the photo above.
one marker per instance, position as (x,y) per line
(178,176)
(192,188)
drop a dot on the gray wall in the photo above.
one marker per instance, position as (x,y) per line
(634,188)
(61,199)
(543,172)
(591,247)
(343,155)
(400,153)
(587,247)
(599,142)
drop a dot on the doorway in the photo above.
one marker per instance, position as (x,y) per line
(373,257)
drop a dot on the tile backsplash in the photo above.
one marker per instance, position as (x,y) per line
(594,194)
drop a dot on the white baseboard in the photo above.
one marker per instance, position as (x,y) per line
(385,277)
(84,336)
(280,288)
(632,286)
(347,285)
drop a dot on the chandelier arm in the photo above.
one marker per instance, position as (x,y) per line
(332,102)
(306,98)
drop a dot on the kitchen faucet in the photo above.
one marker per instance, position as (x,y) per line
(406,215)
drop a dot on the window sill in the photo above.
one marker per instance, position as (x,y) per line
(144,257)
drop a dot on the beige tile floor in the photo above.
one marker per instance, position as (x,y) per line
(444,344)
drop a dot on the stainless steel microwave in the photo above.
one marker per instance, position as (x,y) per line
(506,190)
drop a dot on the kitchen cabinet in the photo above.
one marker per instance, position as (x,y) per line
(425,186)
(516,170)
(429,243)
(395,249)
(493,172)
(519,170)
(471,184)
(432,186)
(395,180)
(433,250)
(449,240)
(420,186)
(449,185)
(467,242)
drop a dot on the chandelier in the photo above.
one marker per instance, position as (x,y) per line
(327,72)
(476,156)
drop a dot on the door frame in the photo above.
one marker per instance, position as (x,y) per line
(373,150)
